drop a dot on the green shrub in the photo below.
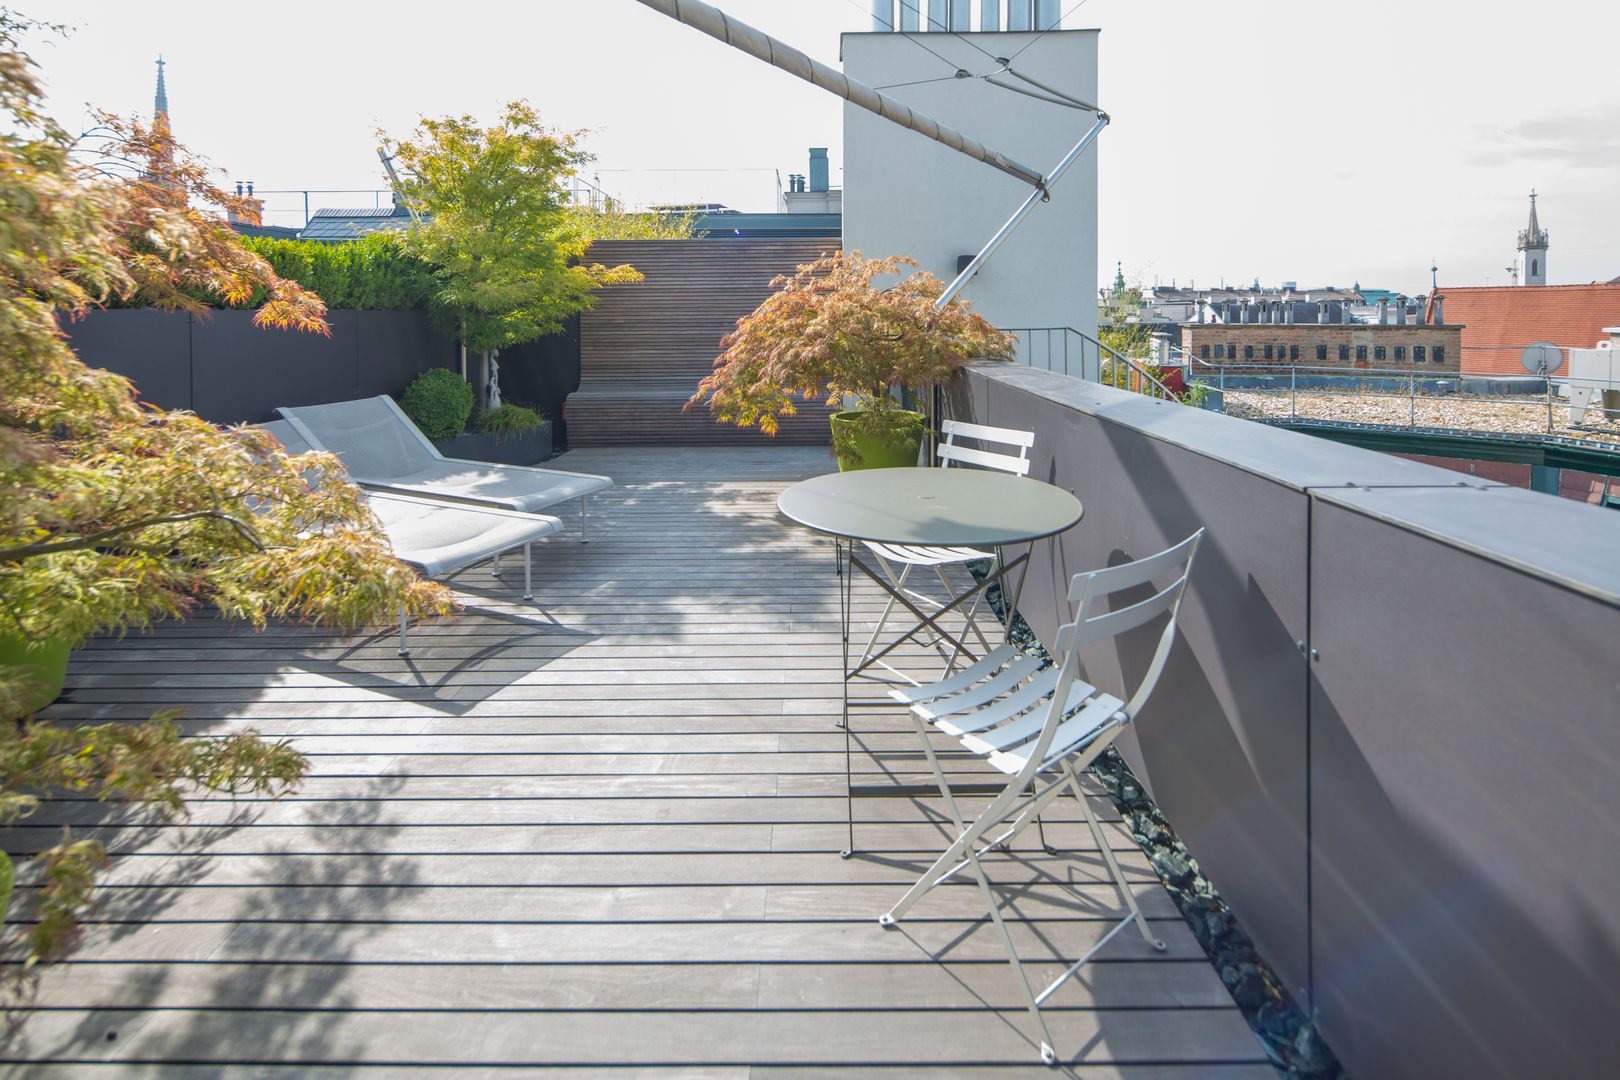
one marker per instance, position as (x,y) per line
(368,274)
(507,421)
(438,401)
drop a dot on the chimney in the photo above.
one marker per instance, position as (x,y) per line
(818,168)
(1383,311)
(1400,311)
(253,214)
(1439,311)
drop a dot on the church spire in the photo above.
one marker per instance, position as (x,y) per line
(1533,249)
(160,103)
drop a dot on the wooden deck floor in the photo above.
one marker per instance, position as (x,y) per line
(597,834)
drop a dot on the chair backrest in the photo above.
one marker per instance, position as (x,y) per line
(951,452)
(288,436)
(376,441)
(1085,591)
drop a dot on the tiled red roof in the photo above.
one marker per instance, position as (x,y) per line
(1499,321)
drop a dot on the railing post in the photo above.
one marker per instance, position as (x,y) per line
(1293,391)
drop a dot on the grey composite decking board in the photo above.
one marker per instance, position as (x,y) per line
(756,1036)
(624,986)
(586,809)
(173,1071)
(346,838)
(553,903)
(605,841)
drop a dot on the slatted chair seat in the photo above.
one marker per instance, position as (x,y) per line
(1040,724)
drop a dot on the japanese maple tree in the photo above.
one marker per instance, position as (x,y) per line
(830,333)
(113,514)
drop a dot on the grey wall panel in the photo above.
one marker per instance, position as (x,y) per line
(241,373)
(1466,812)
(228,371)
(150,348)
(393,347)
(1222,744)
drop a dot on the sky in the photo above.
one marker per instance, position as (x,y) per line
(1269,140)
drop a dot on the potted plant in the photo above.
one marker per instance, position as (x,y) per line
(830,333)
(512,435)
(440,403)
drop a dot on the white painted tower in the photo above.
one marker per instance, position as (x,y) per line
(1533,250)
(907,195)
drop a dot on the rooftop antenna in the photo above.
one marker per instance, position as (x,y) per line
(722,27)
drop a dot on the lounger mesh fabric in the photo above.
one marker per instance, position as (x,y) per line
(439,538)
(381,448)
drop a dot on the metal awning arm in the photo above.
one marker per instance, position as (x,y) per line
(717,24)
(1012,223)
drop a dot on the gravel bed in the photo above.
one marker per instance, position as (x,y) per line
(1506,415)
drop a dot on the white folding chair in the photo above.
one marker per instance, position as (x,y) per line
(909,557)
(1040,726)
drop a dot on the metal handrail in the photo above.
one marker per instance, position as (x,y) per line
(1139,379)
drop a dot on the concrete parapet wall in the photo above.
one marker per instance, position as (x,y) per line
(1388,731)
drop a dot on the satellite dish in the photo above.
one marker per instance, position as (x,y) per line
(1542,358)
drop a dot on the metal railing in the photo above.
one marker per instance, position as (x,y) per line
(1073,352)
(1410,397)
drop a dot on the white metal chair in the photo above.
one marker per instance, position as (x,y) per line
(1040,726)
(908,557)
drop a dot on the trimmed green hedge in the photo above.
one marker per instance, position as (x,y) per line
(368,274)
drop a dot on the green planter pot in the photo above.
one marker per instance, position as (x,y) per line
(892,449)
(47,664)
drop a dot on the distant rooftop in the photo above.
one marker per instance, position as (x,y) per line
(1502,320)
(335,225)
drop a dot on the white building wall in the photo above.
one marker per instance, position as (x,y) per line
(908,195)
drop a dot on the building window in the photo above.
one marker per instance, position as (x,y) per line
(1293,352)
(1268,352)
(1419,353)
(1344,352)
(1204,352)
(1361,352)
(1321,352)
(1439,354)
(1400,352)
(1248,352)
(1378,352)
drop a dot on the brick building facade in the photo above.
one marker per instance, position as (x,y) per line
(1426,347)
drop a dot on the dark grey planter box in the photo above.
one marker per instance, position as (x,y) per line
(530,448)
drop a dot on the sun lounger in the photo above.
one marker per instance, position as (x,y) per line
(436,537)
(383,450)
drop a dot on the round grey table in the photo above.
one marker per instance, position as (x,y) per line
(976,508)
(931,507)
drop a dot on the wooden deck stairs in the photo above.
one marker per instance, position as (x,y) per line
(644,348)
